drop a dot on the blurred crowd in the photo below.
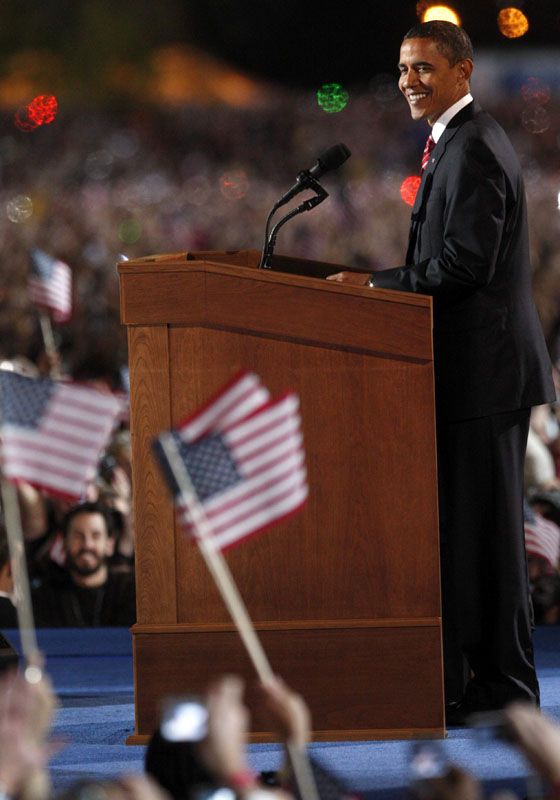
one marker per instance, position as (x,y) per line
(92,188)
(95,185)
(199,751)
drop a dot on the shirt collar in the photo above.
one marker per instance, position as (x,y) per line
(441,123)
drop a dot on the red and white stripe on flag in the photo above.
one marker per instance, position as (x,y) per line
(50,285)
(241,396)
(263,439)
(52,434)
(542,540)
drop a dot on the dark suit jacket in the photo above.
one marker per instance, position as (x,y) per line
(469,250)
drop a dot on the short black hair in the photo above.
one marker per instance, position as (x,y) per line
(88,508)
(452,41)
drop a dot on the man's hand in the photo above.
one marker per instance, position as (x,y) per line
(354,278)
(455,785)
(25,712)
(223,749)
(538,739)
(289,710)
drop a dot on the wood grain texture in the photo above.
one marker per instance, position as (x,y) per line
(249,300)
(335,585)
(355,531)
(156,598)
(383,679)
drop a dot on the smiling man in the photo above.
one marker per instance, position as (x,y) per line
(468,249)
(86,592)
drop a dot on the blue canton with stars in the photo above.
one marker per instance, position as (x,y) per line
(23,400)
(208,462)
(42,264)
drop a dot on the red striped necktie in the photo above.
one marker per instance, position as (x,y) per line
(430,144)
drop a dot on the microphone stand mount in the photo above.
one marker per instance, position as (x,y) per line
(307,181)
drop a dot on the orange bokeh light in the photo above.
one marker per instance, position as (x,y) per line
(440,12)
(512,23)
(409,189)
(43,109)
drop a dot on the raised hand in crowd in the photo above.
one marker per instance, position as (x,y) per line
(289,711)
(456,784)
(224,749)
(538,738)
(25,720)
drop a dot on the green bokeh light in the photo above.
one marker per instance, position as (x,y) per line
(332,97)
(130,231)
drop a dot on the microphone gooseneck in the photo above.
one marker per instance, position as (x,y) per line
(331,159)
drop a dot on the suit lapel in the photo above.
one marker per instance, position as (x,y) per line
(418,210)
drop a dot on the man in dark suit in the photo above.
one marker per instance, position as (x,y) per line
(468,249)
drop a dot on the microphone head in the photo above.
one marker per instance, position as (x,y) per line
(331,159)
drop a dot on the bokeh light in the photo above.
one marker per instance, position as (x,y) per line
(536,91)
(199,190)
(43,109)
(535,119)
(440,12)
(409,189)
(19,208)
(98,165)
(234,184)
(130,230)
(23,121)
(512,23)
(332,97)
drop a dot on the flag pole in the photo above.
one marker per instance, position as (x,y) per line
(33,656)
(215,561)
(50,345)
(220,571)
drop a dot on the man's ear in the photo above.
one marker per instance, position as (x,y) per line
(466,67)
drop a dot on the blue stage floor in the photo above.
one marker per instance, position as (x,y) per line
(92,675)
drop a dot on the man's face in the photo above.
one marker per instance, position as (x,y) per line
(88,544)
(428,81)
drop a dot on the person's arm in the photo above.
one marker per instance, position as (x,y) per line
(289,712)
(538,738)
(456,784)
(33,509)
(473,215)
(25,714)
(223,750)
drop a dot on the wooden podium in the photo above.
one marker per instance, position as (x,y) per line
(345,595)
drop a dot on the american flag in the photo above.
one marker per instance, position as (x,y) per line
(51,434)
(244,456)
(542,540)
(50,285)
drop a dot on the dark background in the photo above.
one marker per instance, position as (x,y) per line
(300,43)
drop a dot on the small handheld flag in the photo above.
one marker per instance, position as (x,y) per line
(50,285)
(235,467)
(53,433)
(244,456)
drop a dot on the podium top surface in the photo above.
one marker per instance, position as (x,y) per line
(292,299)
(244,263)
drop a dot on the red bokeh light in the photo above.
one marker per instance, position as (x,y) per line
(534,90)
(43,108)
(409,189)
(23,121)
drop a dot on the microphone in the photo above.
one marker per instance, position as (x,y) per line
(331,159)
